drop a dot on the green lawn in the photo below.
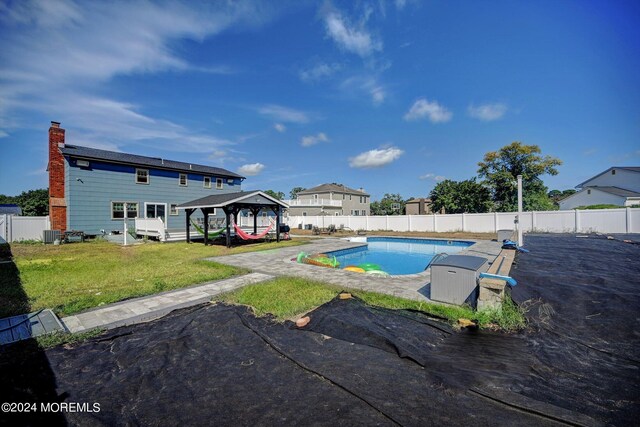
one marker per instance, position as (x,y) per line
(289,297)
(74,277)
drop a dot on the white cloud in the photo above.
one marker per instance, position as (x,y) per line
(284,114)
(308,141)
(400,4)
(378,95)
(423,108)
(251,169)
(375,158)
(319,72)
(279,127)
(487,112)
(349,37)
(59,57)
(432,176)
(367,85)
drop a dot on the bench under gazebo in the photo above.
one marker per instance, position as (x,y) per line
(232,204)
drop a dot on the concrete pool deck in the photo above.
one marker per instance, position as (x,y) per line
(278,262)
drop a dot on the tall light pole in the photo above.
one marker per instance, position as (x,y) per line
(520,242)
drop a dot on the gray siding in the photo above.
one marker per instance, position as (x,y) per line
(350,202)
(90,191)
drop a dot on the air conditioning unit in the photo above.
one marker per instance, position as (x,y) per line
(82,163)
(49,236)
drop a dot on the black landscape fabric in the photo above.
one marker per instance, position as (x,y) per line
(354,364)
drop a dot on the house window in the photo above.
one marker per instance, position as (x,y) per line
(588,191)
(344,197)
(219,183)
(613,172)
(182,180)
(364,213)
(315,197)
(337,214)
(173,209)
(304,214)
(142,176)
(155,210)
(117,210)
(207,182)
(349,196)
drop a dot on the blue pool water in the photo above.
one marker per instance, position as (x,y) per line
(398,255)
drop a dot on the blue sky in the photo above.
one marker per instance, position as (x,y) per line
(391,96)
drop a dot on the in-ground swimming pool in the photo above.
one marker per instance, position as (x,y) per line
(398,255)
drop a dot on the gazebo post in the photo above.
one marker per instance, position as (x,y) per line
(236,211)
(228,217)
(188,212)
(255,212)
(278,213)
(205,212)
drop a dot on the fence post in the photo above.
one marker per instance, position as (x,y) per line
(366,223)
(628,220)
(3,224)
(534,223)
(463,222)
(386,227)
(409,222)
(495,221)
(435,223)
(577,221)
(9,228)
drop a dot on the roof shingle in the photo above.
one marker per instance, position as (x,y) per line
(336,188)
(134,159)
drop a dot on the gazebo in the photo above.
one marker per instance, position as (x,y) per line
(232,204)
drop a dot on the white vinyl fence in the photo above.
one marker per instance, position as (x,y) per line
(625,220)
(15,228)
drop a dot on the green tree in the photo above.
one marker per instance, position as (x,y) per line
(391,204)
(499,170)
(32,202)
(294,192)
(277,195)
(460,197)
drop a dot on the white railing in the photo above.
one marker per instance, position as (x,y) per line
(247,221)
(16,228)
(150,226)
(313,202)
(625,220)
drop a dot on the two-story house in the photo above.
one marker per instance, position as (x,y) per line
(616,186)
(330,199)
(92,190)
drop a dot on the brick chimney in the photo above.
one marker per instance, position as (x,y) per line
(57,202)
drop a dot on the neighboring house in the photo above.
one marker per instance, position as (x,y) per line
(419,206)
(330,199)
(615,186)
(89,188)
(10,209)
